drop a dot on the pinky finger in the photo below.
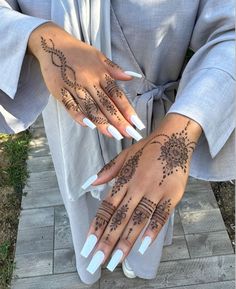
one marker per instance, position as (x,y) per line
(73,109)
(157,221)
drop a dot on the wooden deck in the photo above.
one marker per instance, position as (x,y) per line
(201,256)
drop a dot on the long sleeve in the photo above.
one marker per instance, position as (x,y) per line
(22,92)
(206,90)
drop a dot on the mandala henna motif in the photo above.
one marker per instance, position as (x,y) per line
(160,215)
(175,152)
(104,214)
(127,172)
(111,88)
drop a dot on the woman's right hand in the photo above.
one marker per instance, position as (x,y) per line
(83,80)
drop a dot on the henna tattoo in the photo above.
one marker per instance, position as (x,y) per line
(85,104)
(112,88)
(112,64)
(108,165)
(104,214)
(160,215)
(143,211)
(175,152)
(106,102)
(119,215)
(127,172)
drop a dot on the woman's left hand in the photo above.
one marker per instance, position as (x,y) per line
(151,177)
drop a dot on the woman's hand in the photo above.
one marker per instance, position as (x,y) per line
(150,181)
(83,80)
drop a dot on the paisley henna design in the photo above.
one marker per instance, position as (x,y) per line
(127,172)
(119,215)
(104,214)
(108,165)
(107,104)
(175,152)
(160,215)
(111,88)
(85,104)
(111,63)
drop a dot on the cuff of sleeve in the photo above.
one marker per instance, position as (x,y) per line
(207,97)
(16,28)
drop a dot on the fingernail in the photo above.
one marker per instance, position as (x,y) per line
(89,182)
(89,245)
(145,243)
(132,132)
(112,130)
(134,74)
(96,262)
(137,122)
(89,123)
(117,256)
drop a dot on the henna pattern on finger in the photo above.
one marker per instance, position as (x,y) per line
(104,214)
(175,152)
(107,104)
(85,104)
(111,87)
(68,100)
(127,172)
(112,64)
(160,215)
(108,165)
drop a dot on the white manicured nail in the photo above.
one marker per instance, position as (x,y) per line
(89,245)
(134,74)
(117,256)
(137,122)
(132,132)
(89,123)
(145,243)
(89,182)
(112,130)
(96,262)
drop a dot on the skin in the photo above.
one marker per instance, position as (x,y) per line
(81,78)
(150,180)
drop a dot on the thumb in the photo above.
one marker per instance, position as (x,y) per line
(111,169)
(116,71)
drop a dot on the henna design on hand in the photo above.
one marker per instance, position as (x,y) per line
(111,87)
(112,64)
(106,102)
(104,214)
(127,172)
(85,104)
(160,215)
(175,152)
(108,165)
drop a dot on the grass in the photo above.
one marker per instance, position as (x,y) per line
(13,175)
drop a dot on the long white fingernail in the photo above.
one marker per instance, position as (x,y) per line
(89,182)
(89,245)
(137,122)
(145,243)
(96,262)
(117,256)
(134,74)
(89,123)
(112,130)
(132,132)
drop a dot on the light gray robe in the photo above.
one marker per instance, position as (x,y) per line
(149,37)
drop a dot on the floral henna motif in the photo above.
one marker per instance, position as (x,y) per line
(160,215)
(111,87)
(106,102)
(111,63)
(108,165)
(175,152)
(104,214)
(119,215)
(127,172)
(143,211)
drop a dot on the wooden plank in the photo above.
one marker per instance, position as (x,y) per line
(202,221)
(209,244)
(177,250)
(34,240)
(178,228)
(177,273)
(64,261)
(58,281)
(35,218)
(216,285)
(63,237)
(34,264)
(40,164)
(61,216)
